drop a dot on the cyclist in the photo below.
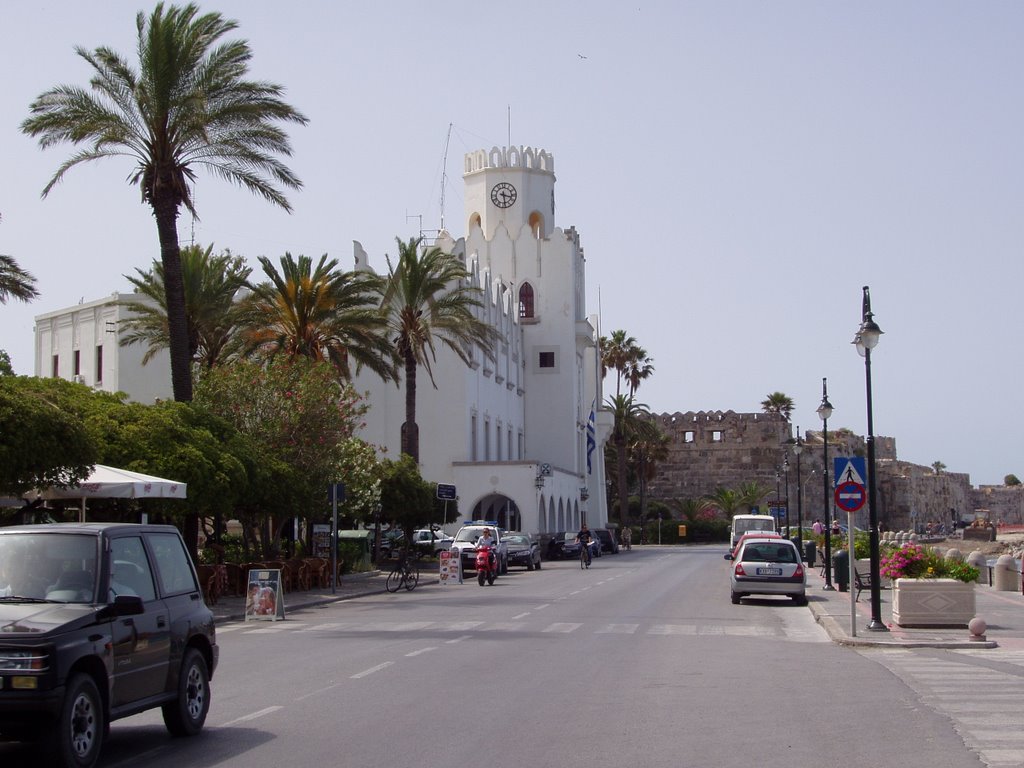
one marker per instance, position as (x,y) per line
(584,537)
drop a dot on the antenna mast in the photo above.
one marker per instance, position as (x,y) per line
(444,172)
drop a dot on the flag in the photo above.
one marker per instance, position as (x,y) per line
(591,436)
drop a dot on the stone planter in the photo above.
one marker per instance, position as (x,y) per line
(932,603)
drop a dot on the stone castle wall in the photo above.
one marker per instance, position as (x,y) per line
(723,449)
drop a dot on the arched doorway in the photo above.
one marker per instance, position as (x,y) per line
(501,509)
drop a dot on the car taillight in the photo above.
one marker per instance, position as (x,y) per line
(799,571)
(739,570)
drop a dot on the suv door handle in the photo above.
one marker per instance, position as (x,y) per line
(161,621)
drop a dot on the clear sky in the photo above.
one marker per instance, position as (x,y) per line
(736,170)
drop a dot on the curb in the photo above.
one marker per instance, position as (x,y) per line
(838,635)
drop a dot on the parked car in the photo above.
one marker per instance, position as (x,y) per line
(98,622)
(523,550)
(609,543)
(766,566)
(563,545)
(745,536)
(431,542)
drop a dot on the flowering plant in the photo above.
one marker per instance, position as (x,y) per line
(912,561)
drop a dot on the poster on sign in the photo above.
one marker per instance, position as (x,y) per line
(264,600)
(451,568)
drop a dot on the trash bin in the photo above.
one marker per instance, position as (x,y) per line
(841,566)
(810,553)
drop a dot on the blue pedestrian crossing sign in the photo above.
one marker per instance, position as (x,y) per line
(849,469)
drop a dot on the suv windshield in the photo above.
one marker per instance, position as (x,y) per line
(470,534)
(50,566)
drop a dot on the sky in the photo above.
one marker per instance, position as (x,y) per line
(737,171)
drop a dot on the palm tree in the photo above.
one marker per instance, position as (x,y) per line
(621,353)
(16,282)
(646,451)
(752,493)
(937,467)
(427,298)
(187,105)
(727,500)
(211,311)
(318,312)
(778,402)
(632,422)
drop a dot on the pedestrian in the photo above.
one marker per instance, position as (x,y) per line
(818,528)
(836,530)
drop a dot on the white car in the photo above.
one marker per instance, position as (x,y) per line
(431,541)
(768,567)
(465,545)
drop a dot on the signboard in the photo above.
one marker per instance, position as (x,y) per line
(321,540)
(849,469)
(264,599)
(849,496)
(446,492)
(336,492)
(451,568)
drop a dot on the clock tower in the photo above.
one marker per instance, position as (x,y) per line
(510,186)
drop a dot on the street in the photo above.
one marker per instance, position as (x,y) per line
(640,660)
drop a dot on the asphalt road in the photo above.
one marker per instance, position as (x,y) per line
(641,660)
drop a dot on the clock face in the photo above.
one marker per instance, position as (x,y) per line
(503,194)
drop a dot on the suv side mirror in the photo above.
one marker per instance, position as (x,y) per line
(728,556)
(125,605)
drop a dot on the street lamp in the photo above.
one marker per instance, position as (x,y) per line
(824,411)
(798,446)
(785,468)
(867,339)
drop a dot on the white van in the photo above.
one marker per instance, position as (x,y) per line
(750,524)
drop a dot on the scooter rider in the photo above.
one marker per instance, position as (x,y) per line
(584,537)
(486,540)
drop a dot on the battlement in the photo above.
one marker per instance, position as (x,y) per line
(509,157)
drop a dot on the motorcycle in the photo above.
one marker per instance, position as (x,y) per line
(486,565)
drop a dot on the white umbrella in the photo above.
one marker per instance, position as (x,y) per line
(113,483)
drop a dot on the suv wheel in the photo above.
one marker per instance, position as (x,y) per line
(79,727)
(186,715)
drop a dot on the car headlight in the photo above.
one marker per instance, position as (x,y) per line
(24,661)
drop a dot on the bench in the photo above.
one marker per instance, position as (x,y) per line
(861,581)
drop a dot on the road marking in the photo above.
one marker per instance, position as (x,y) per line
(317,692)
(521,616)
(371,670)
(421,650)
(562,627)
(251,716)
(458,639)
(618,629)
(672,629)
(542,607)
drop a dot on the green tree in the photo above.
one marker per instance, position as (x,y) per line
(937,467)
(752,493)
(406,500)
(646,451)
(778,402)
(43,441)
(727,500)
(1011,480)
(211,312)
(360,470)
(299,418)
(689,509)
(187,105)
(6,369)
(632,422)
(321,313)
(427,300)
(15,282)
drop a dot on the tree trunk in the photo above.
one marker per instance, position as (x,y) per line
(410,431)
(620,460)
(166,212)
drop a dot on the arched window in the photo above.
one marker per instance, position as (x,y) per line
(526,300)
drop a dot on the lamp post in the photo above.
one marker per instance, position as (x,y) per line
(785,469)
(867,339)
(778,497)
(824,411)
(798,447)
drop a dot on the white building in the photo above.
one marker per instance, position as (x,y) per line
(80,343)
(511,433)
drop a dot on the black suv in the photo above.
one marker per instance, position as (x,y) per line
(99,621)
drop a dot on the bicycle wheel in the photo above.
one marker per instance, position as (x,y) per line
(394,582)
(412,576)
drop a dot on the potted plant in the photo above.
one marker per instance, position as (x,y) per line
(928,590)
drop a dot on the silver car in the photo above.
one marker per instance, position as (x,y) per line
(768,567)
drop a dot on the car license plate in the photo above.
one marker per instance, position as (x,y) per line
(769,571)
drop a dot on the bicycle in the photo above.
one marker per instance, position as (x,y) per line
(584,554)
(406,573)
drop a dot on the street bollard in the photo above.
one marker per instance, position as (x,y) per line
(977,559)
(1005,577)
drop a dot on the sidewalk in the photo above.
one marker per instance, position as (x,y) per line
(1002,611)
(231,608)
